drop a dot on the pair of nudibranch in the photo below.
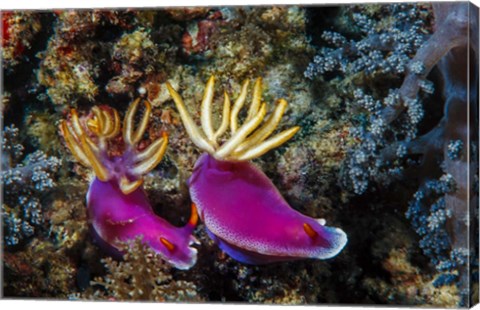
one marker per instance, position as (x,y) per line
(242,210)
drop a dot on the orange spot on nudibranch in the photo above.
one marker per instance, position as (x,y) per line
(309,230)
(170,246)
(193,216)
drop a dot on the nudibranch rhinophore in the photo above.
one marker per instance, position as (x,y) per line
(241,208)
(117,205)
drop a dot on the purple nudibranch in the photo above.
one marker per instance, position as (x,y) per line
(116,216)
(243,211)
(118,208)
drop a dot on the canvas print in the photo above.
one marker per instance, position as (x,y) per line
(322,154)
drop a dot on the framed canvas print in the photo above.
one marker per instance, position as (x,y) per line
(278,154)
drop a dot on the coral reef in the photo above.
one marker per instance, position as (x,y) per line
(41,231)
(387,130)
(384,149)
(133,57)
(395,43)
(142,275)
(40,270)
(253,39)
(18,32)
(70,64)
(413,288)
(385,47)
(25,181)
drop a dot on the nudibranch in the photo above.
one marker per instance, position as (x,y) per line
(118,208)
(243,211)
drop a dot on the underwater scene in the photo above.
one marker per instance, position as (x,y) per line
(242,154)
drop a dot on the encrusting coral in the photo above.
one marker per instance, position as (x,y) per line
(18,32)
(69,65)
(133,56)
(142,275)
